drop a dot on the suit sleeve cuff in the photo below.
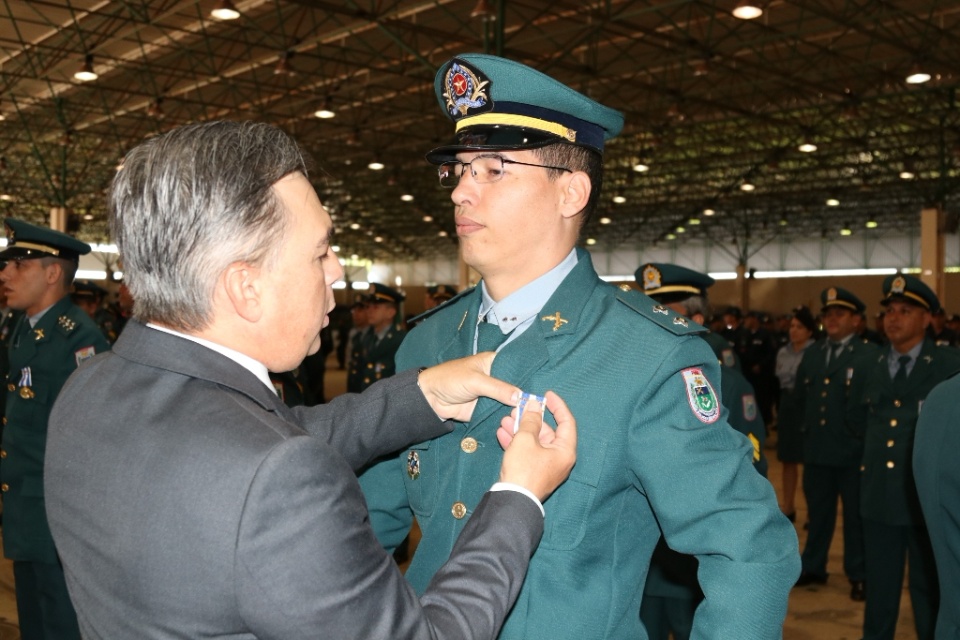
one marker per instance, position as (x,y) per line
(509,486)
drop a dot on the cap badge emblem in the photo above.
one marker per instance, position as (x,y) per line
(652,278)
(464,90)
(899,285)
(831,294)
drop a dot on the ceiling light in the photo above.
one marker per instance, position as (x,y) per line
(605,220)
(747,10)
(907,175)
(783,222)
(591,241)
(324,113)
(355,226)
(693,222)
(746,186)
(6,197)
(86,72)
(283,67)
(428,218)
(871,224)
(832,202)
(846,231)
(681,229)
(641,167)
(442,234)
(670,236)
(88,216)
(618,199)
(376,165)
(335,248)
(708,212)
(378,239)
(917,75)
(225,11)
(407,197)
(807,147)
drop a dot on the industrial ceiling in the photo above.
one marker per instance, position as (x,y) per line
(714,104)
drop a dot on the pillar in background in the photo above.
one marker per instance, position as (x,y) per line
(932,228)
(58,219)
(743,287)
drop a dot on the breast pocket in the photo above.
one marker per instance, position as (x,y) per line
(568,508)
(422,476)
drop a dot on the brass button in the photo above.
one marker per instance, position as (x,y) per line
(893,422)
(897,403)
(11,387)
(459,510)
(468,444)
(862,467)
(4,487)
(3,453)
(822,422)
(890,464)
(369,365)
(826,381)
(822,409)
(823,394)
(889,443)
(4,419)
(366,381)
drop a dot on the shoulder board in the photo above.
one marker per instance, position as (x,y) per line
(659,314)
(67,324)
(429,312)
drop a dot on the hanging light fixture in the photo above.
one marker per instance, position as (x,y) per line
(86,72)
(917,75)
(807,146)
(484,11)
(224,10)
(747,10)
(283,67)
(747,186)
(325,112)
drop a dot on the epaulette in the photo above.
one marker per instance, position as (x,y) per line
(66,324)
(429,312)
(659,314)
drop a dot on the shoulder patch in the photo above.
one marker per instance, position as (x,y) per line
(659,314)
(749,407)
(701,396)
(80,355)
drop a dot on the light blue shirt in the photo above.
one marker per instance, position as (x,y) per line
(517,311)
(893,359)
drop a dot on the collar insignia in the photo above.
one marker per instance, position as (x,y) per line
(557,320)
(38,334)
(465,90)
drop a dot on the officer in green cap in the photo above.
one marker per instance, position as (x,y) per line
(525,169)
(437,295)
(937,475)
(355,342)
(830,381)
(671,593)
(898,382)
(52,339)
(89,296)
(383,336)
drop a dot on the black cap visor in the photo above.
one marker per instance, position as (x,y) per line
(492,138)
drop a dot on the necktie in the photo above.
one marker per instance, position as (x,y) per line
(901,375)
(833,350)
(489,337)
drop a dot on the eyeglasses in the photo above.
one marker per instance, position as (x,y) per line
(484,169)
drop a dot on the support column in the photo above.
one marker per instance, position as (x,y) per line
(932,250)
(743,287)
(58,219)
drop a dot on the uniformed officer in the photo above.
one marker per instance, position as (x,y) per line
(383,338)
(356,343)
(937,475)
(830,382)
(939,332)
(437,295)
(52,339)
(897,385)
(525,173)
(89,296)
(671,593)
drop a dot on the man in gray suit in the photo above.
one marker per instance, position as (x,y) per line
(187,501)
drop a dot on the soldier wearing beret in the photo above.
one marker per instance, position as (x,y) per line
(52,339)
(937,475)
(894,532)
(382,339)
(525,171)
(830,381)
(671,593)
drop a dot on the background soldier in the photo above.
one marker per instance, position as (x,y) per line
(897,384)
(381,341)
(355,344)
(52,340)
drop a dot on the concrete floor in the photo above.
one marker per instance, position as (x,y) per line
(814,613)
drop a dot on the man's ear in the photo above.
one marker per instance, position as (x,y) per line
(575,194)
(53,273)
(242,290)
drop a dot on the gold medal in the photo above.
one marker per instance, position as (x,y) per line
(26,393)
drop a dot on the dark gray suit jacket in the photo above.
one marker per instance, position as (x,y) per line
(186,502)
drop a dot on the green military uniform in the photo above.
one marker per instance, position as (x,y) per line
(671,593)
(378,349)
(833,424)
(632,372)
(893,522)
(937,476)
(41,358)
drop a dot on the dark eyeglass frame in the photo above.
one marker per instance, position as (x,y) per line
(503,161)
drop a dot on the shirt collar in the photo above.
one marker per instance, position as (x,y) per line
(35,318)
(913,353)
(524,303)
(255,367)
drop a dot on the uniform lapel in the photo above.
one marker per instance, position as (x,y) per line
(923,368)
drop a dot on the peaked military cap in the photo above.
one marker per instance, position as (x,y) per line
(733,311)
(441,291)
(837,297)
(378,293)
(909,289)
(25,240)
(498,104)
(88,289)
(660,279)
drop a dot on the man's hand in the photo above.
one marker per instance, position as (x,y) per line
(452,388)
(538,458)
